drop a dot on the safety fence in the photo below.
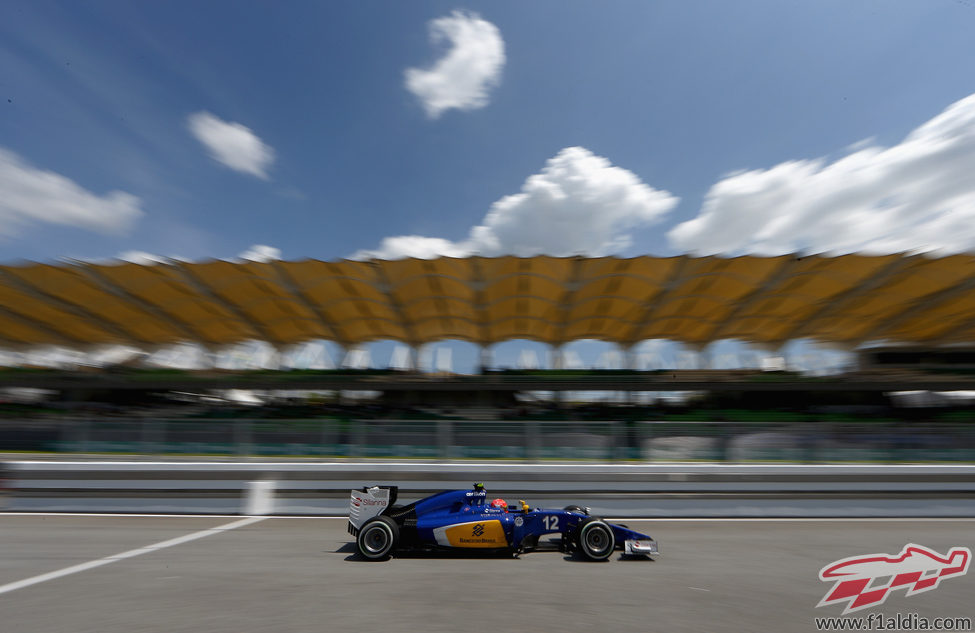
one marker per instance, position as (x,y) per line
(493,439)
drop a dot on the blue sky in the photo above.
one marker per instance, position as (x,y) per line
(712,126)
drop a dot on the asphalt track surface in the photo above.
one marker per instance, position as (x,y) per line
(282,575)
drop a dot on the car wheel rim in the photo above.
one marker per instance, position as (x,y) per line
(375,540)
(596,541)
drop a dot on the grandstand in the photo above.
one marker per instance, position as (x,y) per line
(847,301)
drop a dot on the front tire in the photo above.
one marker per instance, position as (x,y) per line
(596,540)
(578,509)
(377,538)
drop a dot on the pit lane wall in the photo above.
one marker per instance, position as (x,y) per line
(610,489)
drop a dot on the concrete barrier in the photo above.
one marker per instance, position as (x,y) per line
(660,489)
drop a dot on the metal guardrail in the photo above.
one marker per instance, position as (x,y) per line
(283,487)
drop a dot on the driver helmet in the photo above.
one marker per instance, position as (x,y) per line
(500,503)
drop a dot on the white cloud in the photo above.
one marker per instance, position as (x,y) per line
(256,253)
(468,70)
(232,144)
(918,195)
(261,253)
(579,203)
(30,195)
(415,246)
(141,257)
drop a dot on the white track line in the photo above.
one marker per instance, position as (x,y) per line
(74,569)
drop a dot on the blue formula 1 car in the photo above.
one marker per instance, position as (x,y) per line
(464,519)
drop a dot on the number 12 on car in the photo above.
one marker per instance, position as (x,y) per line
(551,523)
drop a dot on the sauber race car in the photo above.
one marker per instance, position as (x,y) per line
(465,519)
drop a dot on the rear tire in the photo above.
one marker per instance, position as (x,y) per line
(377,538)
(595,539)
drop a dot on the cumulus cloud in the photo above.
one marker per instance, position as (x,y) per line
(31,195)
(918,195)
(579,203)
(261,253)
(232,144)
(470,67)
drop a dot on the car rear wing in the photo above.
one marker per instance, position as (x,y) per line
(368,502)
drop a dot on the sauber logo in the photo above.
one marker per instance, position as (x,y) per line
(357,501)
(866,581)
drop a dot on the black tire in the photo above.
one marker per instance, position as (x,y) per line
(377,538)
(578,509)
(595,539)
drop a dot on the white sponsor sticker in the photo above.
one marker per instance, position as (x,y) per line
(365,505)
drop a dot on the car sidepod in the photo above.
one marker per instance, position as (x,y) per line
(482,532)
(460,519)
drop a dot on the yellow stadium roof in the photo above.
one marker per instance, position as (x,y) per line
(846,300)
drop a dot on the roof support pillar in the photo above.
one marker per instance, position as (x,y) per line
(557,356)
(705,356)
(275,357)
(403,358)
(629,362)
(210,355)
(423,356)
(485,357)
(556,360)
(690,357)
(336,362)
(631,359)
